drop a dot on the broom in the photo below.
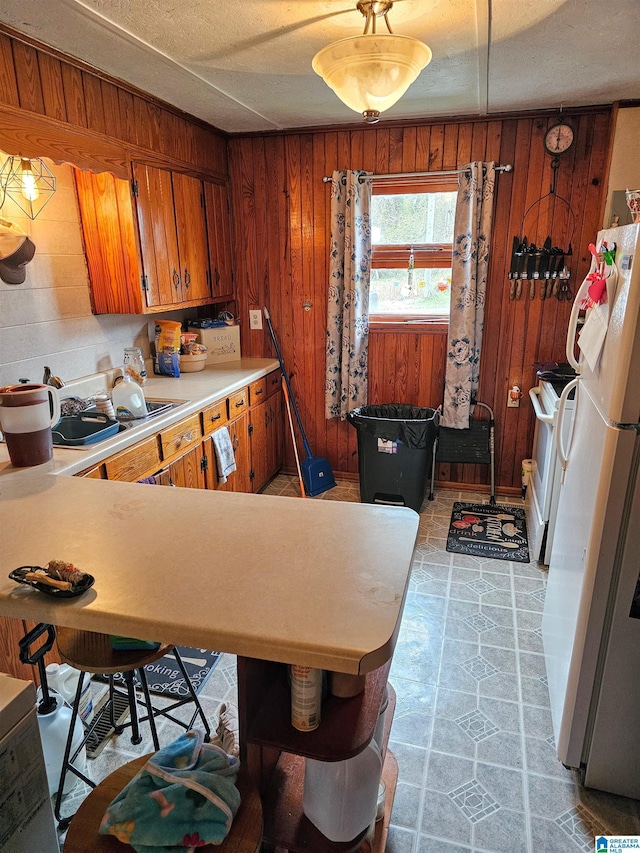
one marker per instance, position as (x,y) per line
(303,494)
(316,471)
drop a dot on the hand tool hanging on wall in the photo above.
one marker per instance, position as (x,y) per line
(316,471)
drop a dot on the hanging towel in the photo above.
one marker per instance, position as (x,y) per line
(185,796)
(225,460)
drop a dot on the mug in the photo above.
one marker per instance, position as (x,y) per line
(26,419)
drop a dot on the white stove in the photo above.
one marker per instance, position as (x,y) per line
(543,492)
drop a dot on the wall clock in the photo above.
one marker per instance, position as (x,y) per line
(558,139)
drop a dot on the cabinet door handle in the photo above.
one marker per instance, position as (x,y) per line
(176,279)
(213,418)
(187,278)
(259,391)
(186,436)
(240,403)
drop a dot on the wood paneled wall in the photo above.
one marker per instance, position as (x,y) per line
(51,106)
(68,111)
(281,213)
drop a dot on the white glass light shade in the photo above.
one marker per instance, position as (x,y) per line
(369,73)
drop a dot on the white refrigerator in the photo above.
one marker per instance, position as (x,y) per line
(591,620)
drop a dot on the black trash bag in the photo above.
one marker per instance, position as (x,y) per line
(414,426)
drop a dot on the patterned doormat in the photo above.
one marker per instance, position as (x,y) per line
(164,676)
(496,532)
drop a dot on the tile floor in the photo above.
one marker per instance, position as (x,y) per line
(472,728)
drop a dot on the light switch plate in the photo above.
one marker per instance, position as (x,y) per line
(255,319)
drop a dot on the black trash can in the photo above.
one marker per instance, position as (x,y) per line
(395,448)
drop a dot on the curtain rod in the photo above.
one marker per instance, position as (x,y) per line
(506,168)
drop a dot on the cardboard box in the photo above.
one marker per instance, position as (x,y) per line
(223,343)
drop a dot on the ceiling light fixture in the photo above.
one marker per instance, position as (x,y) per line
(371,72)
(29,183)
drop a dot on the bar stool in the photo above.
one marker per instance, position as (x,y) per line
(245,835)
(90,652)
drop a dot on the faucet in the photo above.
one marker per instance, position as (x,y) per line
(50,379)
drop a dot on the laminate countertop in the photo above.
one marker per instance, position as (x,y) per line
(315,582)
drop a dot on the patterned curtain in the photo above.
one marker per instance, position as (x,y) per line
(348,302)
(472,231)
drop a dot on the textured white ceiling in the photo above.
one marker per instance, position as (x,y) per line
(245,65)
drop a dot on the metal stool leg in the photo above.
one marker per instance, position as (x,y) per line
(194,697)
(68,759)
(150,712)
(136,737)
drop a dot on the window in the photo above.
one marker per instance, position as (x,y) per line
(411,234)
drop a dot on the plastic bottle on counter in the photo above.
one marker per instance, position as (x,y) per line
(128,399)
(64,679)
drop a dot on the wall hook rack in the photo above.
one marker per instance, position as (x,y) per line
(547,263)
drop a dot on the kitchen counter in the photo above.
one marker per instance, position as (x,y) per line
(315,582)
(198,389)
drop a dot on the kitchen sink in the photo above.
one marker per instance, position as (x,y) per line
(155,407)
(90,438)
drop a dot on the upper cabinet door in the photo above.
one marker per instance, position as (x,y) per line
(220,236)
(164,284)
(188,202)
(108,227)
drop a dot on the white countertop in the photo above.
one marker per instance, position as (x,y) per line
(315,582)
(199,389)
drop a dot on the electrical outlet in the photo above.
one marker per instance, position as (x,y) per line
(255,319)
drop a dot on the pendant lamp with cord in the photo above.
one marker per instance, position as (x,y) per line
(371,72)
(28,182)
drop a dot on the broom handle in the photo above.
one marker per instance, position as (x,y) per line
(293,437)
(285,376)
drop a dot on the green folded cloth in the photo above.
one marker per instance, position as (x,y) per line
(131,644)
(184,797)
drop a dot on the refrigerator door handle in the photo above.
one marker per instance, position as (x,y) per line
(572,331)
(563,453)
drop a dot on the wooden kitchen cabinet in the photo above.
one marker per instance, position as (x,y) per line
(220,240)
(188,471)
(147,242)
(183,454)
(191,228)
(180,436)
(266,440)
(240,479)
(274,751)
(214,416)
(173,237)
(138,461)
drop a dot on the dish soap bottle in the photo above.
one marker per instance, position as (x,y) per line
(128,399)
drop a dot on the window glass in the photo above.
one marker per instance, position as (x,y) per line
(411,234)
(426,292)
(412,218)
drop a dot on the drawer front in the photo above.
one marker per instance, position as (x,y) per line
(214,416)
(238,403)
(134,462)
(274,382)
(180,436)
(258,391)
(97,473)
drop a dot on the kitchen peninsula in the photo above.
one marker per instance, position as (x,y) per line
(272,579)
